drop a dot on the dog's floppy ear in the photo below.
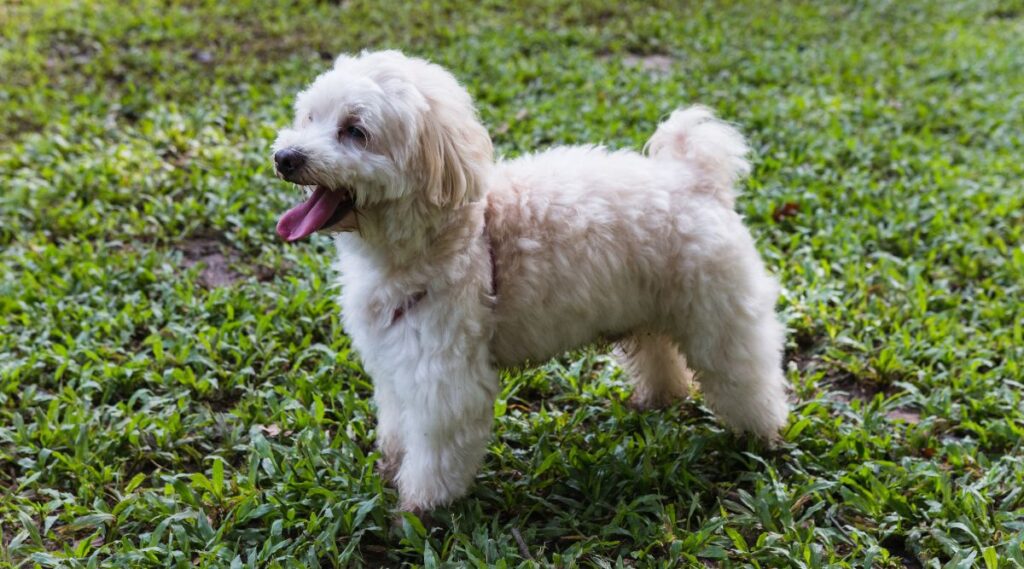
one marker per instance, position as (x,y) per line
(455,155)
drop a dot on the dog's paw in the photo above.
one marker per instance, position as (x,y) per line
(648,400)
(425,517)
(645,402)
(387,468)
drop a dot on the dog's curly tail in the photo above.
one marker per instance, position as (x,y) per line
(713,146)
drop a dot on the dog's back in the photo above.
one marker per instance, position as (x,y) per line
(588,240)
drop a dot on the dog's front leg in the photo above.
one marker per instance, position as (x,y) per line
(389,430)
(447,407)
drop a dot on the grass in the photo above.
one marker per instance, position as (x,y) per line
(176,388)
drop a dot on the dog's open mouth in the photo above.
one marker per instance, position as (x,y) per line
(323,209)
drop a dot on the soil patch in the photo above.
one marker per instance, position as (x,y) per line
(215,257)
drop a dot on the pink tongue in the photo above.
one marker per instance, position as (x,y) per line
(305,218)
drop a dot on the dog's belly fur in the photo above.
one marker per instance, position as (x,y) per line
(574,262)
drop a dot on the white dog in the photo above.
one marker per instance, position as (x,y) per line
(453,266)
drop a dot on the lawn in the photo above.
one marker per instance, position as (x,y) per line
(176,388)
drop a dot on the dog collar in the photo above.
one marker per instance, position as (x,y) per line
(413,300)
(407,306)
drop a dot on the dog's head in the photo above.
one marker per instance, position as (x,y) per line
(377,129)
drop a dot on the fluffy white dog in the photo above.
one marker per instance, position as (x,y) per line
(453,265)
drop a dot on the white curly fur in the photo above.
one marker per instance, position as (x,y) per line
(581,242)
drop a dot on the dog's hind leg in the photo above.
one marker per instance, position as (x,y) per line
(657,369)
(734,343)
(742,380)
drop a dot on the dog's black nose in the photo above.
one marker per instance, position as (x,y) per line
(288,161)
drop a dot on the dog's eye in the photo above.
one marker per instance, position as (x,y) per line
(354,132)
